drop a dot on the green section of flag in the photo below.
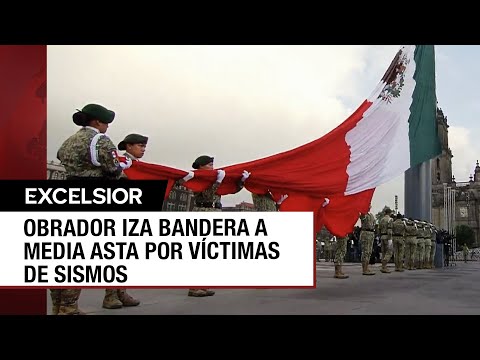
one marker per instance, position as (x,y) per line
(423,132)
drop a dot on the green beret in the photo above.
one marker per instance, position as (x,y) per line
(98,112)
(132,139)
(202,161)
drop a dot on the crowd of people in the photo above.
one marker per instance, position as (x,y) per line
(411,243)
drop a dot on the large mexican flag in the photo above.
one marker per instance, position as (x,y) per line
(392,130)
(395,128)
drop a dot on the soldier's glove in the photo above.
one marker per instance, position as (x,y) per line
(220,176)
(245,176)
(326,202)
(189,176)
(125,165)
(282,199)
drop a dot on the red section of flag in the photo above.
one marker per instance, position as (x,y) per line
(308,174)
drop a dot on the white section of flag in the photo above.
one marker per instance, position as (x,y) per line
(379,144)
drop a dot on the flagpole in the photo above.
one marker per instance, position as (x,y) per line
(418,192)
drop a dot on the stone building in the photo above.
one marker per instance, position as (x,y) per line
(467,193)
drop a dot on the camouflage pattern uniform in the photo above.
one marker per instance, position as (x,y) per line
(264,202)
(75,156)
(410,244)
(327,249)
(207,201)
(433,249)
(465,252)
(385,227)
(428,246)
(86,154)
(340,251)
(399,231)
(420,245)
(367,235)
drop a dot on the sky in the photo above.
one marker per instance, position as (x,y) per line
(240,103)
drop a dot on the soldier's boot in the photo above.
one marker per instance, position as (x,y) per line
(384,268)
(209,292)
(56,301)
(126,299)
(111,300)
(70,310)
(197,292)
(69,303)
(339,274)
(366,270)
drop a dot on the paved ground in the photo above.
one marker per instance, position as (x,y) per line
(452,290)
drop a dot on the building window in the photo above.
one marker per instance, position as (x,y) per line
(438,176)
(170,206)
(183,197)
(438,164)
(182,207)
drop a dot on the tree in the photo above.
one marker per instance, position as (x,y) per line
(465,235)
(381,214)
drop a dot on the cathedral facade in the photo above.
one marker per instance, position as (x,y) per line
(467,204)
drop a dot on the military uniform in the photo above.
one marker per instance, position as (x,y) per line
(367,234)
(88,154)
(327,249)
(340,251)
(385,227)
(264,202)
(398,234)
(411,231)
(465,252)
(428,246)
(433,249)
(420,245)
(117,298)
(207,201)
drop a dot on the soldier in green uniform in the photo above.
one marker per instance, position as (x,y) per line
(264,202)
(385,227)
(209,200)
(327,248)
(465,251)
(367,235)
(434,247)
(340,251)
(420,244)
(87,154)
(410,243)
(134,146)
(428,245)
(398,233)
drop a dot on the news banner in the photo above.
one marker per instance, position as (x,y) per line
(61,234)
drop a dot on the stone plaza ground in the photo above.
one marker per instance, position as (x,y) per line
(451,290)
